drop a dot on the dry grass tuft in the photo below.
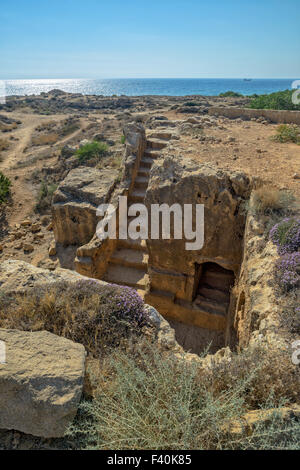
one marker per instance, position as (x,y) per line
(45,139)
(4,144)
(269,199)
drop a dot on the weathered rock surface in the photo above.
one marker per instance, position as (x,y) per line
(260,311)
(134,149)
(75,203)
(222,194)
(40,383)
(193,285)
(19,276)
(247,423)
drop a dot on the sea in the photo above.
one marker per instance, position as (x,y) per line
(147,86)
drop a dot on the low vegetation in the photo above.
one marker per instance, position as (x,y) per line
(190,103)
(149,400)
(45,195)
(92,150)
(45,139)
(49,132)
(231,94)
(98,317)
(5,185)
(7,124)
(140,397)
(270,200)
(277,100)
(4,144)
(286,236)
(287,271)
(288,133)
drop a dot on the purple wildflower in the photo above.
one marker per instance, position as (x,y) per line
(288,270)
(286,235)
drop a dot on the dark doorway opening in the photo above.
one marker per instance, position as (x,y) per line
(212,288)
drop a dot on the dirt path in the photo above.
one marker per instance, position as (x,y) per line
(23,193)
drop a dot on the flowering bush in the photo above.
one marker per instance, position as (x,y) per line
(286,235)
(99,316)
(288,270)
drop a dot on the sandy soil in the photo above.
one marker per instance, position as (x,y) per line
(245,146)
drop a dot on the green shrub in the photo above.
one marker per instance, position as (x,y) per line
(232,94)
(277,100)
(91,150)
(190,103)
(287,133)
(123,139)
(5,185)
(45,195)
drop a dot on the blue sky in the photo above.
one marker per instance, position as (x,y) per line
(154,38)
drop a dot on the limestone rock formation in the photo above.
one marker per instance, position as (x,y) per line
(40,383)
(135,146)
(75,203)
(222,193)
(193,286)
(19,276)
(247,423)
(258,308)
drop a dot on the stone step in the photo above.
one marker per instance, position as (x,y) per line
(144,171)
(218,280)
(210,306)
(137,195)
(133,244)
(156,144)
(160,135)
(141,182)
(150,153)
(127,257)
(165,123)
(163,296)
(126,276)
(214,294)
(146,162)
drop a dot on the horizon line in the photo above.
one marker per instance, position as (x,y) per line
(148,78)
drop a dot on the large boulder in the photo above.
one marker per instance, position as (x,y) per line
(40,383)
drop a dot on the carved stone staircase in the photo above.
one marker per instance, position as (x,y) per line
(128,265)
